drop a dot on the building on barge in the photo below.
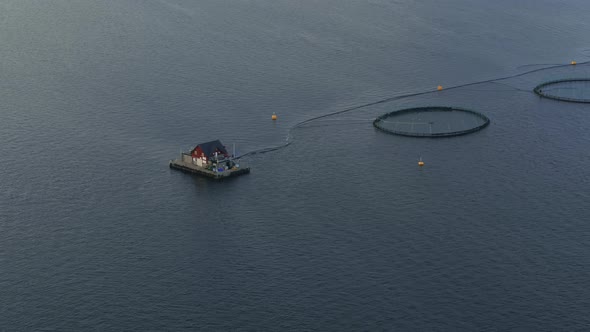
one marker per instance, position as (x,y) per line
(210,159)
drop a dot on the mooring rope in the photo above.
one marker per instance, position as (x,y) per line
(288,140)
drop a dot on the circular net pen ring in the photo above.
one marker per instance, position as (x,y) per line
(482,122)
(541,91)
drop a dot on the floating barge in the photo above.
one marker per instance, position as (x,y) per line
(211,160)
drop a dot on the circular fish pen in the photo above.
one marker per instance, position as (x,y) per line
(435,121)
(575,90)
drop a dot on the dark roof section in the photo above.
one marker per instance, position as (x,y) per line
(209,148)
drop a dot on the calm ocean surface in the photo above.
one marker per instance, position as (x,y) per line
(340,230)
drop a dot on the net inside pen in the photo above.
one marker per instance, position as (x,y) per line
(573,90)
(433,121)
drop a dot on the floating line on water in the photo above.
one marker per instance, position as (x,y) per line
(538,64)
(394,98)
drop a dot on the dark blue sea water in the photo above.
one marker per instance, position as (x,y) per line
(340,230)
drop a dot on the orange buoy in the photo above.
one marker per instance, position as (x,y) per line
(420,162)
(439,88)
(274,116)
(573,62)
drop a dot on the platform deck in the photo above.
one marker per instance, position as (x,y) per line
(191,168)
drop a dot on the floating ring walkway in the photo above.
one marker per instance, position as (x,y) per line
(576,90)
(434,121)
